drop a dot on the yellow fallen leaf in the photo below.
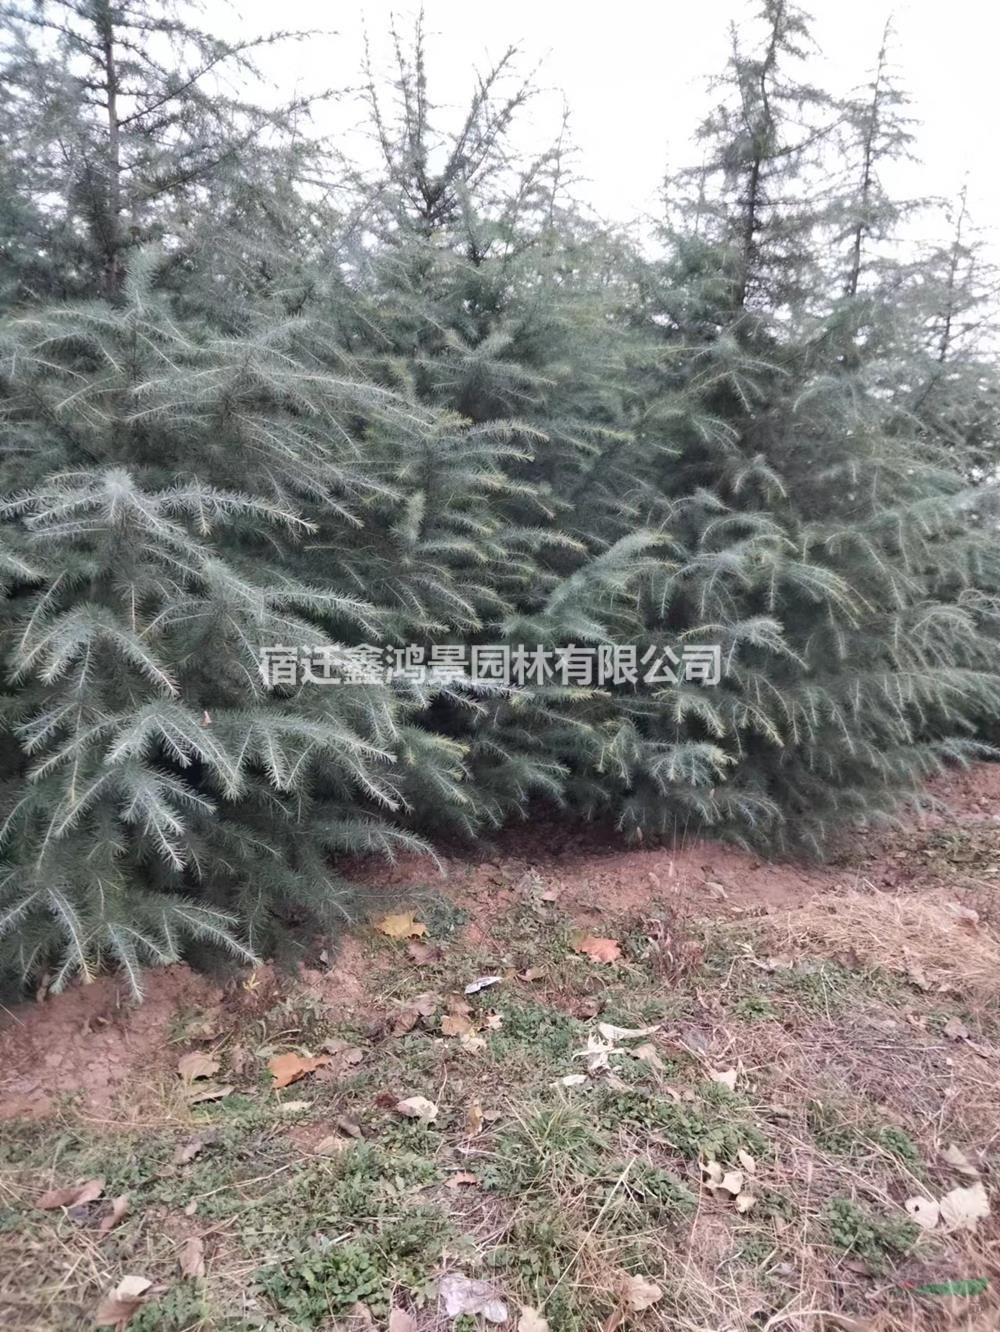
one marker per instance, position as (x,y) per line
(456,1024)
(401,925)
(288,1068)
(600,950)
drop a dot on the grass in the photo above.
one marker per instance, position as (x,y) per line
(846,1094)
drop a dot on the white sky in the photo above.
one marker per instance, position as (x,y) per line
(633,75)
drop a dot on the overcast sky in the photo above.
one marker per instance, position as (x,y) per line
(633,73)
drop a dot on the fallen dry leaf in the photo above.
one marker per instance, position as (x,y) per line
(288,1068)
(771,964)
(120,1304)
(197,1064)
(744,1201)
(401,925)
(209,1094)
(924,1211)
(746,1161)
(462,1295)
(713,1173)
(732,1182)
(472,1043)
(417,1107)
(727,1078)
(457,1180)
(531,1320)
(596,1053)
(405,1021)
(571,1080)
(612,1033)
(349,1126)
(333,1145)
(343,1052)
(964,1208)
(118,1209)
(956,1030)
(240,1060)
(191,1260)
(917,976)
(474,1119)
(600,950)
(640,1293)
(401,1321)
(954,1156)
(649,1054)
(456,1024)
(75,1196)
(425,1004)
(532,974)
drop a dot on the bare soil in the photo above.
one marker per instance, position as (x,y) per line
(90,1042)
(830,1031)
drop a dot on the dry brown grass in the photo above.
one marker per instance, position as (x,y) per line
(930,938)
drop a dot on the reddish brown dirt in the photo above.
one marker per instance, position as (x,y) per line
(92,1042)
(967,795)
